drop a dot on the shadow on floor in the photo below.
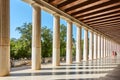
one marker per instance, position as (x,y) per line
(79,79)
(112,75)
(56,73)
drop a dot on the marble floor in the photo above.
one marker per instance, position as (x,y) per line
(102,69)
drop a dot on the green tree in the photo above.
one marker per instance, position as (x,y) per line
(46,41)
(12,47)
(63,30)
(63,38)
(21,48)
(23,44)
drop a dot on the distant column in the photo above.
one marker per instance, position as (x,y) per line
(95,45)
(112,46)
(110,51)
(85,50)
(78,45)
(91,46)
(102,47)
(56,40)
(99,46)
(4,37)
(107,47)
(69,43)
(36,38)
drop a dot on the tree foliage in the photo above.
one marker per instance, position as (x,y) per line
(46,41)
(21,48)
(63,30)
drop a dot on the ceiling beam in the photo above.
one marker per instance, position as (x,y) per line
(65,3)
(103,20)
(106,26)
(97,9)
(54,2)
(73,3)
(114,11)
(115,23)
(88,6)
(114,20)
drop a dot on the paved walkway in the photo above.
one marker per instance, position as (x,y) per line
(104,69)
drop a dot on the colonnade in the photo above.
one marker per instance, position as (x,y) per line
(99,45)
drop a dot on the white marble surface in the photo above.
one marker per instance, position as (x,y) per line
(91,70)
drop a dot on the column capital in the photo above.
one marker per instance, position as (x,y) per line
(78,25)
(55,14)
(85,28)
(69,21)
(99,35)
(95,33)
(35,5)
(91,31)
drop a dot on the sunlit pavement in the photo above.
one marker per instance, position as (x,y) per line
(102,69)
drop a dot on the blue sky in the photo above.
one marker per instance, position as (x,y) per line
(21,12)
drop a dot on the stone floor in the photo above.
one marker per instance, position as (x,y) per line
(103,69)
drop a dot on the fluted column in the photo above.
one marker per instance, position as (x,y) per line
(102,47)
(69,43)
(78,45)
(85,50)
(112,46)
(56,40)
(95,45)
(91,46)
(4,37)
(99,46)
(106,47)
(110,50)
(36,38)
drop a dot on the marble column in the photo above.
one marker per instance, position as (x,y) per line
(112,46)
(4,37)
(78,44)
(85,49)
(99,46)
(106,47)
(56,40)
(69,43)
(91,46)
(102,47)
(36,38)
(110,50)
(95,45)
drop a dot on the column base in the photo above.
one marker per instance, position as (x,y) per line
(4,60)
(56,57)
(36,58)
